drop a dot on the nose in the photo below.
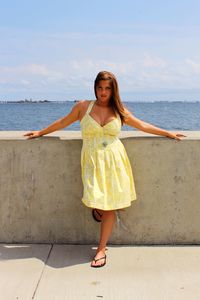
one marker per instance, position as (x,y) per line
(103,92)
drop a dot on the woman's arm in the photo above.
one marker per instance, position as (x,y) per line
(147,127)
(60,123)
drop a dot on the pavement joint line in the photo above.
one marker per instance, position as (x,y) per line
(42,272)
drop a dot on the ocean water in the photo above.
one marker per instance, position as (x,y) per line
(175,115)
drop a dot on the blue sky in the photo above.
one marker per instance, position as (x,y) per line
(54,49)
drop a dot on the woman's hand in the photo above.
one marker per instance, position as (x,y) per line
(175,136)
(33,134)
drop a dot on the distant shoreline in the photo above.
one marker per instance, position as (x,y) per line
(35,101)
(72,101)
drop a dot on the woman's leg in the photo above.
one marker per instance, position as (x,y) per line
(107,223)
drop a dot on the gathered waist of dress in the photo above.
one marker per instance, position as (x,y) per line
(100,141)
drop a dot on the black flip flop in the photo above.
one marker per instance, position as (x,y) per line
(94,216)
(99,266)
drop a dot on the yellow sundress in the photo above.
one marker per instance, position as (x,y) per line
(106,172)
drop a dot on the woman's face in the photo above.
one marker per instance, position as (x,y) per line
(104,91)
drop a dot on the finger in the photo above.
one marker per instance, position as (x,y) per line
(28,133)
(29,137)
(179,139)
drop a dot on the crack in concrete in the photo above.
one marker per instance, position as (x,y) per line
(33,297)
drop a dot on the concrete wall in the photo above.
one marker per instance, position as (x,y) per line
(41,189)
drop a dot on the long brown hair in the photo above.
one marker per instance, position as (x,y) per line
(115,100)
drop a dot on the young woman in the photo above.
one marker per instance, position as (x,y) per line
(106,171)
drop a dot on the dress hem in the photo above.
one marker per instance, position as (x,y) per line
(114,208)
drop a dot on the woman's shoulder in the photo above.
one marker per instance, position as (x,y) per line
(85,102)
(126,111)
(82,106)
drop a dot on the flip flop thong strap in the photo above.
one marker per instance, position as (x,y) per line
(98,213)
(104,257)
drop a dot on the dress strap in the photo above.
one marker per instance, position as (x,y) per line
(90,106)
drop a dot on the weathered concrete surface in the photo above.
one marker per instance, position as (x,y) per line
(41,189)
(21,268)
(63,272)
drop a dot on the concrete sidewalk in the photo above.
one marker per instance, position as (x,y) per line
(59,272)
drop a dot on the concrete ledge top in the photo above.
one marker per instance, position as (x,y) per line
(73,135)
